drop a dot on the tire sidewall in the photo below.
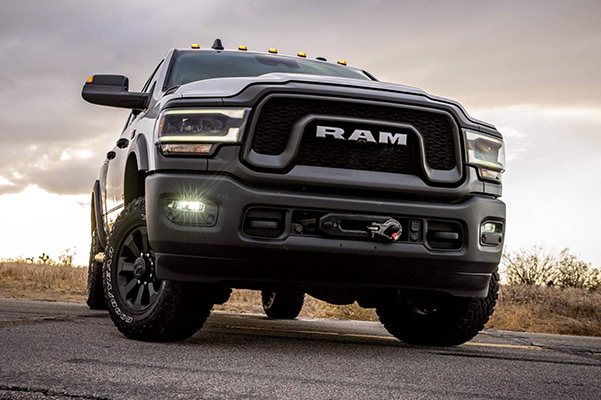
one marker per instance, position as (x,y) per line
(129,220)
(458,320)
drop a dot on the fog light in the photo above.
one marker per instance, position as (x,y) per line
(194,206)
(192,212)
(489,227)
(491,233)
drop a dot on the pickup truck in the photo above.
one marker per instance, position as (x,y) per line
(293,176)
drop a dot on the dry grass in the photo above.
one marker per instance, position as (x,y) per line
(520,308)
(42,281)
(549,310)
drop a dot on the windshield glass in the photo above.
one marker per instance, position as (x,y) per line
(196,66)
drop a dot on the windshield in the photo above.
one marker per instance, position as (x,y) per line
(196,66)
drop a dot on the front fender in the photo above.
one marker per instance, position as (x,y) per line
(140,149)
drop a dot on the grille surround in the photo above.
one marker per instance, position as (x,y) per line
(276,134)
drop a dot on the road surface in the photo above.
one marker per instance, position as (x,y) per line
(53,350)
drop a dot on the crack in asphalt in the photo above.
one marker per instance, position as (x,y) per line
(49,392)
(48,318)
(534,360)
(590,354)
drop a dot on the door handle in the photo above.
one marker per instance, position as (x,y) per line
(111,154)
(122,143)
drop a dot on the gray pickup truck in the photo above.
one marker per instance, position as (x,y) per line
(290,175)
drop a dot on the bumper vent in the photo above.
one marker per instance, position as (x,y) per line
(264,222)
(444,235)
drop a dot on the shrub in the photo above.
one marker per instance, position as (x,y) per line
(535,266)
(529,267)
(570,271)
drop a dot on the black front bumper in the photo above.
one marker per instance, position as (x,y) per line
(223,253)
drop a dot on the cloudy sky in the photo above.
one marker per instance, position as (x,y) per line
(531,68)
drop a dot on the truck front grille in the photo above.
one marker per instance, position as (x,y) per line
(279,114)
(331,153)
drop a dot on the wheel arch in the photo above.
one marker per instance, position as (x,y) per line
(136,168)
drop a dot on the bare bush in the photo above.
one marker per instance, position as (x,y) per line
(535,266)
(571,271)
(593,280)
(529,267)
(66,257)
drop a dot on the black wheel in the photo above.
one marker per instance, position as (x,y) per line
(95,292)
(141,306)
(445,321)
(283,304)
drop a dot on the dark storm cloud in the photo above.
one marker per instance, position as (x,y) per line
(482,53)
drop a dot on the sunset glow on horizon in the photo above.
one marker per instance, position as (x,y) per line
(531,69)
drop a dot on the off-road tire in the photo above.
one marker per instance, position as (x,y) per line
(95,291)
(282,304)
(178,310)
(455,321)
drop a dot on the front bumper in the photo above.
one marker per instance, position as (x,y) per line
(224,254)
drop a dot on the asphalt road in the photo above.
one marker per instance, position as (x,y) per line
(52,350)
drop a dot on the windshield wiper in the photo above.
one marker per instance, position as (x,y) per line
(171,89)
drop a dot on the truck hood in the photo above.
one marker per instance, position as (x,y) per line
(227,87)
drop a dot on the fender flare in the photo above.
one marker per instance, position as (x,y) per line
(101,231)
(140,149)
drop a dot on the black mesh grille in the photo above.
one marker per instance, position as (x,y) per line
(279,114)
(333,153)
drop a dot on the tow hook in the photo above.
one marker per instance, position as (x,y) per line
(390,230)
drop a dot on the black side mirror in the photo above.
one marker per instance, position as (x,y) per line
(111,90)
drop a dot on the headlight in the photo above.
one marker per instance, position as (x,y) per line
(199,131)
(487,153)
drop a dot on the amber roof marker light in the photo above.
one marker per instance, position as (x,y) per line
(302,54)
(90,79)
(273,50)
(195,46)
(242,48)
(341,62)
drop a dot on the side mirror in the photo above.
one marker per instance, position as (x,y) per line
(111,90)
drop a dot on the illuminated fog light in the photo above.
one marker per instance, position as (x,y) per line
(193,206)
(201,212)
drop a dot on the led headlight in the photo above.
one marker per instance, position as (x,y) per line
(198,131)
(487,153)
